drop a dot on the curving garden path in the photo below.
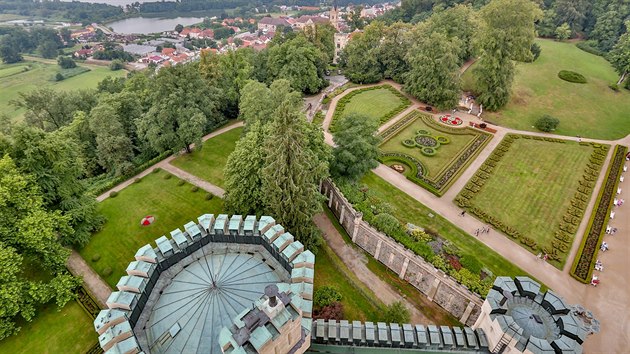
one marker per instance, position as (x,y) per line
(610,301)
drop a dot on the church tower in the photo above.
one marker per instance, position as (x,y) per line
(333,15)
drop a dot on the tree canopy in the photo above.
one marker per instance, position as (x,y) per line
(356,147)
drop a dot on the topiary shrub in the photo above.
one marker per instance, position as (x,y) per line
(113,194)
(168,176)
(156,170)
(181,183)
(194,189)
(137,180)
(386,223)
(547,123)
(209,196)
(325,296)
(107,271)
(572,76)
(96,257)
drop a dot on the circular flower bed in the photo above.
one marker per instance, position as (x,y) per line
(428,151)
(443,140)
(409,143)
(449,120)
(426,141)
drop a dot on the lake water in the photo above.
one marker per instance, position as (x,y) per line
(146,25)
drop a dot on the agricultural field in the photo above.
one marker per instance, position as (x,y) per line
(591,110)
(535,190)
(30,75)
(170,200)
(380,103)
(431,154)
(209,162)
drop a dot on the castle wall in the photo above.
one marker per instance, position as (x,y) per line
(431,282)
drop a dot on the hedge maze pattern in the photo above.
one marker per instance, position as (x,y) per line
(583,264)
(563,236)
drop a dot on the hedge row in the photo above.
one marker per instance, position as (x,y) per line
(571,220)
(583,265)
(99,187)
(572,76)
(398,126)
(341,104)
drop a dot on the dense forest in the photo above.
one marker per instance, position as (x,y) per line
(85,13)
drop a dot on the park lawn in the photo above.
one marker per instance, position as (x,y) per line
(591,110)
(421,302)
(532,186)
(330,270)
(445,153)
(407,209)
(170,204)
(375,104)
(209,162)
(69,330)
(39,75)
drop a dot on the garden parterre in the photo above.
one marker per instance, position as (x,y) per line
(433,154)
(536,190)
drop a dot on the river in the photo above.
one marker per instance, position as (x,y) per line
(146,25)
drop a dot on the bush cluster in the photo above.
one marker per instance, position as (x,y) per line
(326,295)
(547,123)
(590,47)
(572,76)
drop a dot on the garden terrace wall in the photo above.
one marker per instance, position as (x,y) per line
(431,282)
(584,262)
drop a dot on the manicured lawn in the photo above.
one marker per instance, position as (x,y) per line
(209,162)
(407,209)
(421,302)
(40,74)
(52,331)
(532,185)
(170,204)
(376,104)
(330,270)
(591,110)
(445,152)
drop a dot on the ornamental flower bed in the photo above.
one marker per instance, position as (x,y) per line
(583,264)
(450,120)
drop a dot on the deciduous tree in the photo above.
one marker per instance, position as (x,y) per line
(356,147)
(620,56)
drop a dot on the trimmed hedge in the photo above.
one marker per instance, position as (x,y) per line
(571,220)
(584,261)
(341,104)
(572,76)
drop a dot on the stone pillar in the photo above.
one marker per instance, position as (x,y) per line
(404,269)
(378,249)
(358,217)
(343,210)
(434,288)
(330,199)
(467,312)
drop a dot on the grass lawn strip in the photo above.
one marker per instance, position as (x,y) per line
(209,162)
(69,330)
(382,103)
(584,262)
(421,302)
(434,173)
(172,203)
(535,190)
(359,302)
(408,210)
(591,110)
